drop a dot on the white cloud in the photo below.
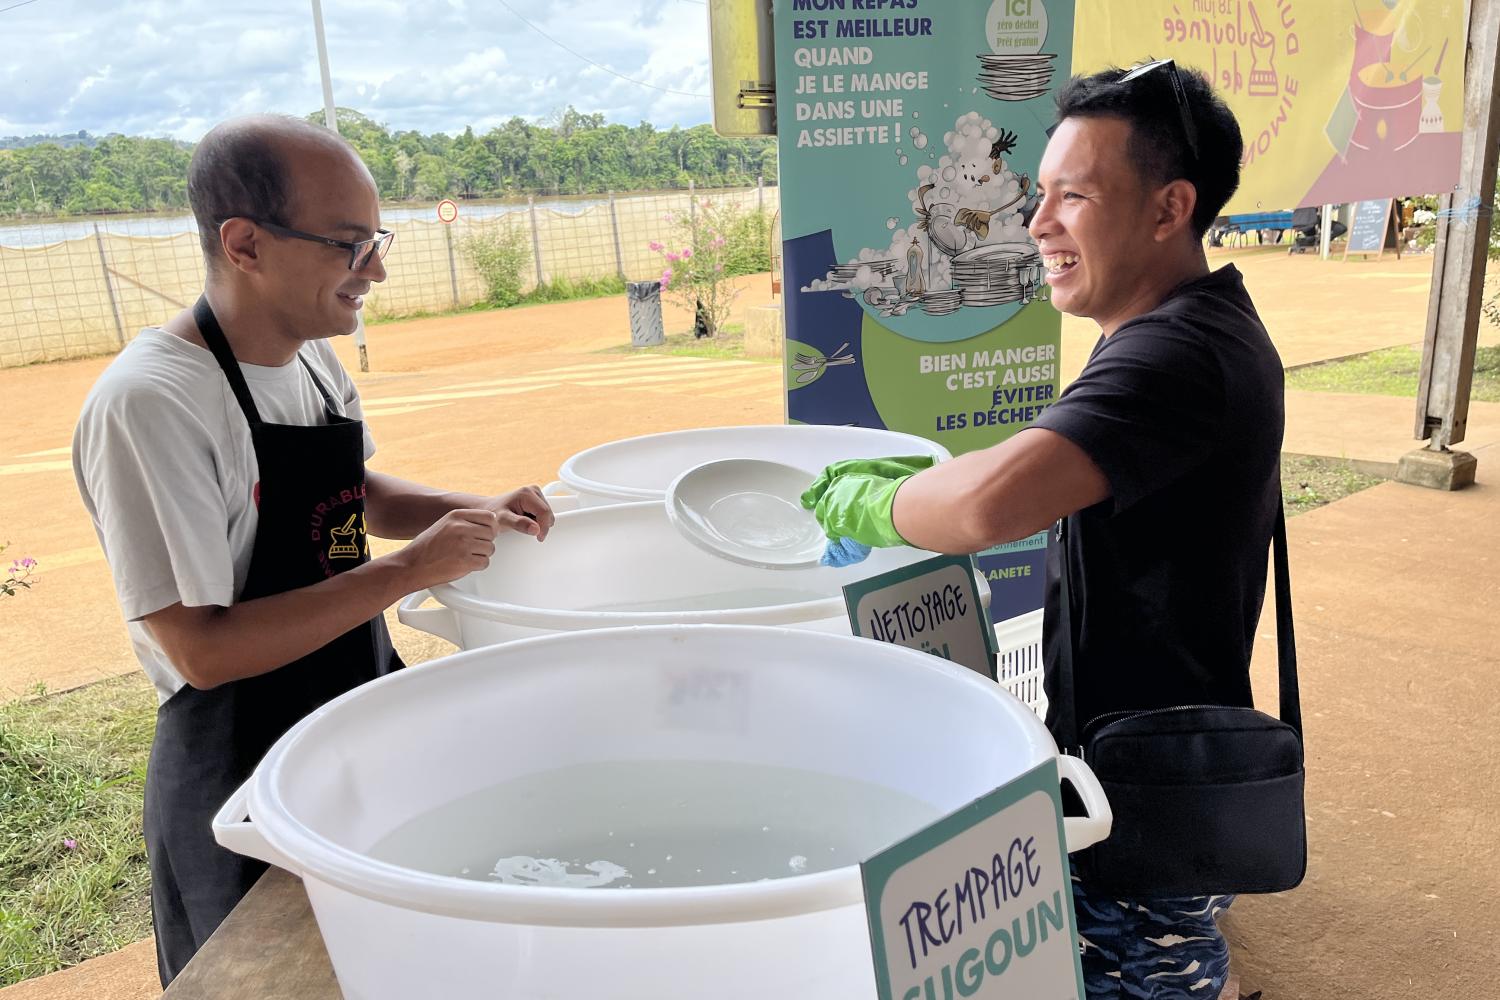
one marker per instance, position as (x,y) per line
(156,68)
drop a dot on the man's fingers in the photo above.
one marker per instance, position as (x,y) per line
(479,518)
(519,522)
(533,504)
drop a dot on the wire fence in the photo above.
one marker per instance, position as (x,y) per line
(76,288)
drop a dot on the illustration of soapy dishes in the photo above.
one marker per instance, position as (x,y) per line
(968,200)
(809,364)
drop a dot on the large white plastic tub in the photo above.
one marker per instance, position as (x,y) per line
(627,565)
(408,743)
(641,468)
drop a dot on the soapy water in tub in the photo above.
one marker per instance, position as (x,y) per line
(656,824)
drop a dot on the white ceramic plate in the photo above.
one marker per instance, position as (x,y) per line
(748,511)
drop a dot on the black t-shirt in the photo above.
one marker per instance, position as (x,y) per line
(1182,410)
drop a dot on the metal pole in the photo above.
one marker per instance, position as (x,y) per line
(330,113)
(452,266)
(331,119)
(114,307)
(692,204)
(760,193)
(536,239)
(614,224)
(1326,235)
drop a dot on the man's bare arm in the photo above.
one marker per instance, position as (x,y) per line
(212,645)
(997,495)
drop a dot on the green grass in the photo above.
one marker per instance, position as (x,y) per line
(1308,483)
(72,767)
(1392,372)
(559,290)
(728,345)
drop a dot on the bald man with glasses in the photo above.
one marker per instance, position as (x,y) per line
(222,459)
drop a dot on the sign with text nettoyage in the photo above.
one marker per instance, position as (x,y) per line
(932,606)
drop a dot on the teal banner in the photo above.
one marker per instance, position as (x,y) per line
(910,133)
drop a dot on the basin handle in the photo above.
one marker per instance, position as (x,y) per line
(1085,831)
(558,498)
(234,831)
(438,621)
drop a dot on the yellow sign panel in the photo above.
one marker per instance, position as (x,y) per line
(1337,102)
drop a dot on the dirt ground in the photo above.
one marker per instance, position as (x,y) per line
(486,401)
(1397,594)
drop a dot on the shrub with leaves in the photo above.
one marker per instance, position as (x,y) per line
(700,255)
(502,255)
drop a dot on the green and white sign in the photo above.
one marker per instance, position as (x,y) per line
(979,904)
(932,605)
(910,132)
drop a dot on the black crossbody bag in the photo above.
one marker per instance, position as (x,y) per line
(1206,799)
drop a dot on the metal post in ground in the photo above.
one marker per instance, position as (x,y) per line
(114,307)
(331,119)
(760,194)
(452,266)
(536,239)
(692,204)
(614,224)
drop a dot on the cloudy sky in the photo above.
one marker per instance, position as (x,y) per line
(174,67)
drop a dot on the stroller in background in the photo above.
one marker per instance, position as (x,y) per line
(1308,223)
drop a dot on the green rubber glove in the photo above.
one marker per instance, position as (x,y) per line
(853,498)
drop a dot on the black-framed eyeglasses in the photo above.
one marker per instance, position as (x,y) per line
(1179,92)
(360,253)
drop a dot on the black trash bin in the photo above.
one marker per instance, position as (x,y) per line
(645,313)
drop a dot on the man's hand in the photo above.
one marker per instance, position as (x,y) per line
(524,510)
(458,543)
(852,499)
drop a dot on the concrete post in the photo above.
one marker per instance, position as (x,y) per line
(614,225)
(452,264)
(536,240)
(114,307)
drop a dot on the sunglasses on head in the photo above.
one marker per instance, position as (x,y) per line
(1179,93)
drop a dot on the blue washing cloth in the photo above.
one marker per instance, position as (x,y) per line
(843,552)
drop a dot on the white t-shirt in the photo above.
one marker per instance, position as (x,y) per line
(167,470)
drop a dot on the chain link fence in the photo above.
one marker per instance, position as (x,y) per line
(75,288)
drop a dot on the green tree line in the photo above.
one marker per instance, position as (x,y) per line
(573,153)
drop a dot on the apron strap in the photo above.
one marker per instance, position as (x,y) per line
(213,336)
(328,403)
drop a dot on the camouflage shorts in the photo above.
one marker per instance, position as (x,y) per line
(1156,949)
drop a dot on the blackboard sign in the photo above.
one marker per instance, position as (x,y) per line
(1371,225)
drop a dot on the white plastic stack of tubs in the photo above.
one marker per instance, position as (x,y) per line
(618,642)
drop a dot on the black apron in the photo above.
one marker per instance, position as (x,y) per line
(311,526)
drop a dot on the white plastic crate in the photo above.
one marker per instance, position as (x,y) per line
(1018,641)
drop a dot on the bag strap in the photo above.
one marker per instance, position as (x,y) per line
(1286,644)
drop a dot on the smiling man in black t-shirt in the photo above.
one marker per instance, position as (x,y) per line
(1163,457)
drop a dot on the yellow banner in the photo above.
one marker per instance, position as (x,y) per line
(1337,101)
